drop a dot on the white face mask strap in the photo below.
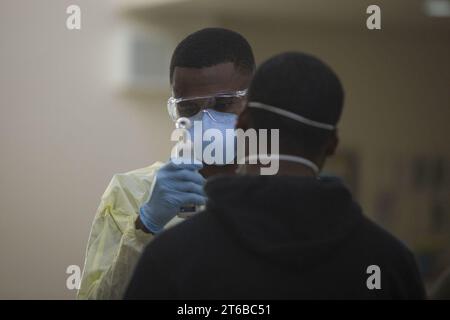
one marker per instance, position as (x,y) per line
(286,157)
(291,115)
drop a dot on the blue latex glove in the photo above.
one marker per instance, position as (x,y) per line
(175,186)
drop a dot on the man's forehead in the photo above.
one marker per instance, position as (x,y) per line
(190,82)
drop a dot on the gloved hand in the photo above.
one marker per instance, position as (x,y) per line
(175,186)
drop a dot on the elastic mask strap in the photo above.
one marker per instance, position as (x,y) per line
(291,115)
(285,157)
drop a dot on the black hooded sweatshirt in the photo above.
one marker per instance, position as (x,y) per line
(276,237)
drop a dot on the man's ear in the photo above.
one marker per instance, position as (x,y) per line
(243,121)
(332,145)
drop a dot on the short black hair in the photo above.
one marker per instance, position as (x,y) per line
(212,46)
(302,84)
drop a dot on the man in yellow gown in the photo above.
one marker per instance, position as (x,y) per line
(210,70)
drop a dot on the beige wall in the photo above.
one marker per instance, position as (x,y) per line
(64,130)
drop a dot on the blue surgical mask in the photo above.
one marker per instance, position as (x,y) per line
(221,121)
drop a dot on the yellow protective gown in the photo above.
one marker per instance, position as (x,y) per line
(115,245)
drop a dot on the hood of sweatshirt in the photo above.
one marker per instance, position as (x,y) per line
(293,220)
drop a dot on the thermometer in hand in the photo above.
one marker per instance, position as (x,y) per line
(188,210)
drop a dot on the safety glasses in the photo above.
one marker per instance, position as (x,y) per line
(231,102)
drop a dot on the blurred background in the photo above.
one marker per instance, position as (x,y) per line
(77,106)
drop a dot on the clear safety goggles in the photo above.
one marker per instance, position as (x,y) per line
(231,102)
